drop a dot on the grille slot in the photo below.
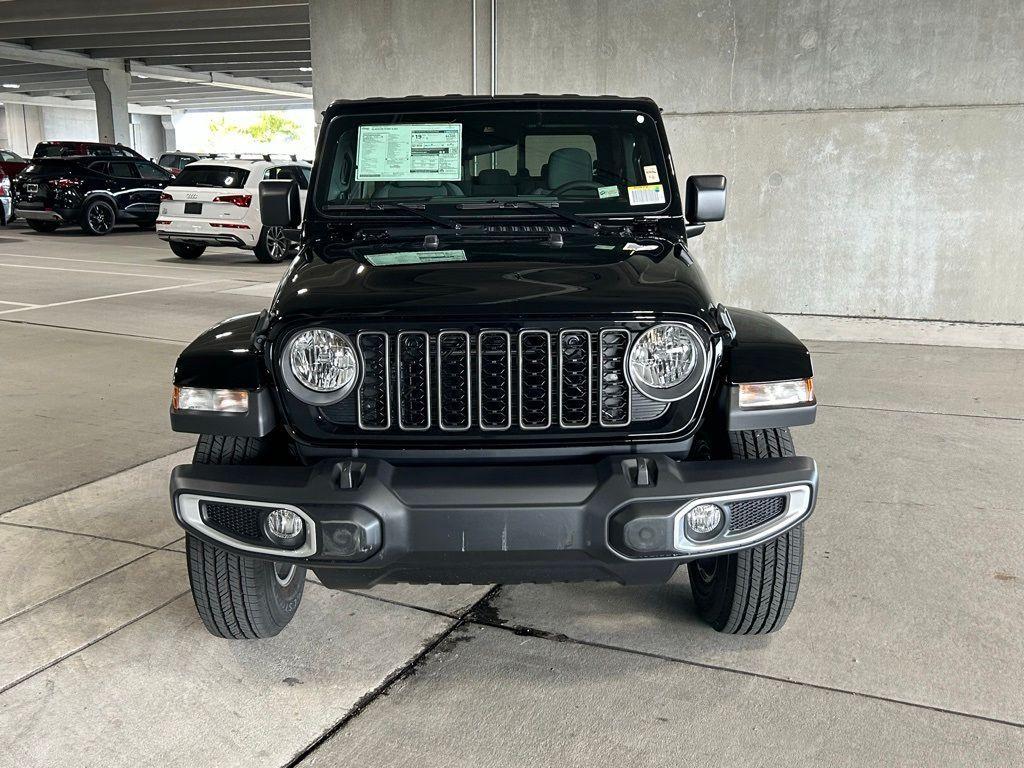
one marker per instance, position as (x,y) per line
(534,379)
(454,387)
(237,520)
(374,397)
(614,390)
(574,379)
(494,370)
(750,513)
(414,380)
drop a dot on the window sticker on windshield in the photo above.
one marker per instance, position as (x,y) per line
(646,194)
(414,257)
(414,152)
(651,172)
(606,192)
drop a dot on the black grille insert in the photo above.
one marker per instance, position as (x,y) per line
(236,520)
(454,390)
(614,389)
(534,379)
(494,361)
(413,380)
(375,389)
(751,513)
(574,387)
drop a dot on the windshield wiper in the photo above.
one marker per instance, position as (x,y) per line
(588,223)
(392,206)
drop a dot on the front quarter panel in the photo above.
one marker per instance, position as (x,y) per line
(223,357)
(764,350)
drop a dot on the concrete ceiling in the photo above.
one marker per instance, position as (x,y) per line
(183,54)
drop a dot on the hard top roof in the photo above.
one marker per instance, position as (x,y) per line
(457,102)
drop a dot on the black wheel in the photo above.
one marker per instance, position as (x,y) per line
(240,598)
(98,218)
(273,246)
(42,226)
(752,592)
(187,250)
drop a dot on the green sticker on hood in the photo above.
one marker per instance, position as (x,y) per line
(414,257)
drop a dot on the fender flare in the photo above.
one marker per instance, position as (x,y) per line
(225,357)
(762,349)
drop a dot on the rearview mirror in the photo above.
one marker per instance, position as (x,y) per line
(705,199)
(279,203)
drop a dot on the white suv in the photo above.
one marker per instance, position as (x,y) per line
(217,202)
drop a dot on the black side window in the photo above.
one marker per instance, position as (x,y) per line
(100,167)
(148,171)
(122,169)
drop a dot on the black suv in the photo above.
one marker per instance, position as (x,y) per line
(494,360)
(74,148)
(93,191)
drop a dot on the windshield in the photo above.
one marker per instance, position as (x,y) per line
(598,162)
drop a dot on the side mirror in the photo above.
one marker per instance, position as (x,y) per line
(279,203)
(705,199)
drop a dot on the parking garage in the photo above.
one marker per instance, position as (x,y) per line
(873,210)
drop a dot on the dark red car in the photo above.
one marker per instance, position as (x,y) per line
(11,163)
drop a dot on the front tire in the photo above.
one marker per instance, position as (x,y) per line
(752,592)
(187,251)
(272,247)
(98,218)
(237,597)
(42,226)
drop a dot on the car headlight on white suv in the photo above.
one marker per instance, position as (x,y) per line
(320,366)
(667,361)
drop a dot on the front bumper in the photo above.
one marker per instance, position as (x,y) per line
(487,524)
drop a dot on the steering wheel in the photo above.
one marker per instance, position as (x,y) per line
(579,184)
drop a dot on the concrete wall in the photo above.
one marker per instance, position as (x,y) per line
(28,124)
(69,124)
(874,149)
(148,135)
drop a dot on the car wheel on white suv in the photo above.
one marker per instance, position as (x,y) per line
(273,246)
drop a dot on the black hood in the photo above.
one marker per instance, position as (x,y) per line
(486,278)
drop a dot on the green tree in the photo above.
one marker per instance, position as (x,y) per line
(270,126)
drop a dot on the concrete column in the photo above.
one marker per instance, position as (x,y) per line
(111,90)
(170,139)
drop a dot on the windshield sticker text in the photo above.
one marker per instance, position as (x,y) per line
(651,172)
(415,152)
(606,192)
(647,194)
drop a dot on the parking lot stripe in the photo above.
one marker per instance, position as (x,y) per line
(108,296)
(90,271)
(19,303)
(204,270)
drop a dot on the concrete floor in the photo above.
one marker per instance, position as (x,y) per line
(905,647)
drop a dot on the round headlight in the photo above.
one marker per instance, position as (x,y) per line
(665,357)
(321,361)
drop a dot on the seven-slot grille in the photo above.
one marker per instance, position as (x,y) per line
(533,379)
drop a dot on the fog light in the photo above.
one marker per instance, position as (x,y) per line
(284,527)
(704,522)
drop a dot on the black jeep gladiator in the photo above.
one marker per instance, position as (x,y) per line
(493,361)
